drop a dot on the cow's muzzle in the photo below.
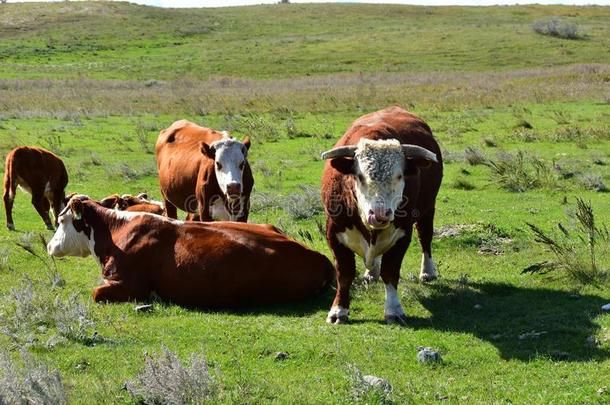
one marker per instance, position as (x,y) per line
(379,218)
(233,191)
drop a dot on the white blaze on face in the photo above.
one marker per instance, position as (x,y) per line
(67,241)
(379,168)
(229,160)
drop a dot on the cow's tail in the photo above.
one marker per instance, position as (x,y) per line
(10,182)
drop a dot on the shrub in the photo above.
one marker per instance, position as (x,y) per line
(474,156)
(556,27)
(582,253)
(33,383)
(592,181)
(166,381)
(463,184)
(519,172)
(304,204)
(369,389)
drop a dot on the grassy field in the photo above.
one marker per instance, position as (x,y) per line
(95,82)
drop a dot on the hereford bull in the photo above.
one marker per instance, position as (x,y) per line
(380,179)
(204,172)
(138,203)
(193,264)
(39,172)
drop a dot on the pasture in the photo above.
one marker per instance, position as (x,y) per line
(95,82)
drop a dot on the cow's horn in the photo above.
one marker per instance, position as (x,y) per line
(341,151)
(413,151)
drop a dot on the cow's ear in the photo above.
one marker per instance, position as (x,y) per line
(110,202)
(76,206)
(343,165)
(247,142)
(207,150)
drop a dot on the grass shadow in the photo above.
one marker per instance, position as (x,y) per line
(522,323)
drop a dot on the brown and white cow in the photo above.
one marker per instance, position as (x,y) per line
(380,179)
(204,172)
(137,203)
(39,172)
(194,264)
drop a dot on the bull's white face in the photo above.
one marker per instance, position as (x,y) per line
(379,171)
(229,163)
(67,240)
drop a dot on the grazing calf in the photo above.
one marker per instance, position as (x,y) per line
(204,172)
(39,172)
(127,202)
(193,264)
(380,179)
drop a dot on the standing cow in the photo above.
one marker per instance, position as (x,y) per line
(204,171)
(42,174)
(380,179)
(194,264)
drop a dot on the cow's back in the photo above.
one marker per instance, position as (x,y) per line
(179,157)
(36,169)
(230,264)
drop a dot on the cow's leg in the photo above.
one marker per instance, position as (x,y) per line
(9,197)
(170,209)
(371,275)
(345,273)
(57,204)
(119,291)
(425,230)
(40,202)
(390,274)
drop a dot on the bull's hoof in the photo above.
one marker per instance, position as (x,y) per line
(337,320)
(369,278)
(426,278)
(396,319)
(337,316)
(11,227)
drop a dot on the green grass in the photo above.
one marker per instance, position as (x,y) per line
(476,87)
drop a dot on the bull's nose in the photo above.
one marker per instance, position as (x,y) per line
(234,189)
(381,215)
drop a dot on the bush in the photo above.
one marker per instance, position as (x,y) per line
(33,383)
(556,27)
(166,381)
(592,181)
(474,156)
(304,204)
(519,172)
(582,253)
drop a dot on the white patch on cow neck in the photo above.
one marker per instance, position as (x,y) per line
(355,241)
(219,211)
(392,302)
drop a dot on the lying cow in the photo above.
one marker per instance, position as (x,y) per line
(194,264)
(42,174)
(381,178)
(204,172)
(127,202)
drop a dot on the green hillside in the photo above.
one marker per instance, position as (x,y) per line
(125,41)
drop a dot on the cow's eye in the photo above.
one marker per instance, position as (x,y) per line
(242,165)
(399,177)
(218,166)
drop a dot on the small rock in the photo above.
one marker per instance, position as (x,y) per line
(281,356)
(478,306)
(531,335)
(606,308)
(602,391)
(592,341)
(428,355)
(412,278)
(377,382)
(144,308)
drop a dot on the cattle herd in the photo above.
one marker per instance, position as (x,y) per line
(380,179)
